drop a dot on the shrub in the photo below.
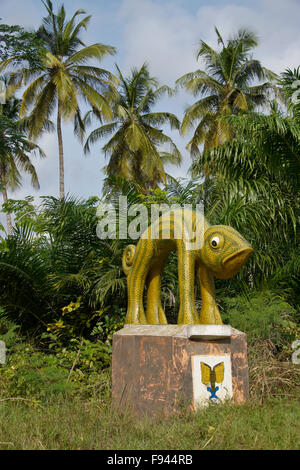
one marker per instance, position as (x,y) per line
(34,374)
(271,326)
(262,316)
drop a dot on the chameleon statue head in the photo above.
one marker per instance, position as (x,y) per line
(224,251)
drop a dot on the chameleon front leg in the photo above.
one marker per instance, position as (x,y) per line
(135,310)
(209,314)
(186,277)
(136,282)
(155,314)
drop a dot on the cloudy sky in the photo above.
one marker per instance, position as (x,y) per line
(166,34)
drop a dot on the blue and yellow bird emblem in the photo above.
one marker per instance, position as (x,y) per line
(212,375)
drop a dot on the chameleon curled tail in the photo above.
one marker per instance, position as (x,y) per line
(128,257)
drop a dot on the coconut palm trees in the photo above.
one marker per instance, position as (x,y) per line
(136,149)
(225,87)
(15,151)
(64,78)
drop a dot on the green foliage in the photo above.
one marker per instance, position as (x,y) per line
(262,316)
(19,45)
(9,332)
(15,148)
(23,278)
(75,322)
(23,209)
(63,75)
(254,187)
(54,259)
(271,325)
(38,375)
(109,323)
(31,374)
(226,87)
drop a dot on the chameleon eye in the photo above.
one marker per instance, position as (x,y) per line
(215,242)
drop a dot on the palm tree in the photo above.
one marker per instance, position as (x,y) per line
(134,150)
(259,170)
(64,78)
(225,89)
(14,151)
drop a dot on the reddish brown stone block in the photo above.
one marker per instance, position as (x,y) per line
(152,366)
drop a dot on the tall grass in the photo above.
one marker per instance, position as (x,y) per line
(77,424)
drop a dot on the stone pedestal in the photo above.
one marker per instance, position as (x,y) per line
(157,368)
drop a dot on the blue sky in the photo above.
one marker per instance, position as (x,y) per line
(165,33)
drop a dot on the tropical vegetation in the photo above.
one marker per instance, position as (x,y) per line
(225,87)
(138,149)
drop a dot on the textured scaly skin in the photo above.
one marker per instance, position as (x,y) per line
(144,263)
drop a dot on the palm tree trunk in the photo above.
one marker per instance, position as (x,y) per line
(61,154)
(5,198)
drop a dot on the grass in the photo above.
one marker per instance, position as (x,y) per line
(77,424)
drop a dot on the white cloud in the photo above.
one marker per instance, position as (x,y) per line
(167,35)
(160,34)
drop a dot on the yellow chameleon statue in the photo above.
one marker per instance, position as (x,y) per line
(222,253)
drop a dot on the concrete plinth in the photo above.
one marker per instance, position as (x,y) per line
(156,368)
